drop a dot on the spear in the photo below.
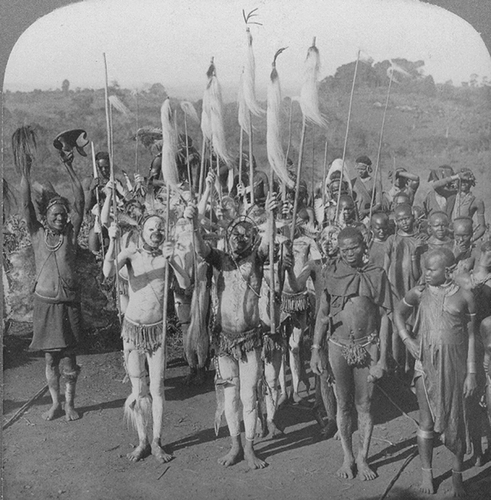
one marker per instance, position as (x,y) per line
(347,125)
(309,102)
(324,175)
(111,165)
(390,73)
(96,177)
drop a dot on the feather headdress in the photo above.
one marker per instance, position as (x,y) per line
(276,157)
(214,106)
(169,147)
(309,96)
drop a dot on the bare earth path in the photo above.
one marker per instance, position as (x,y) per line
(86,459)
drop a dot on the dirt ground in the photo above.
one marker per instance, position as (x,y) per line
(86,459)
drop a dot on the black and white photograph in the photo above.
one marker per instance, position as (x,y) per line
(246,249)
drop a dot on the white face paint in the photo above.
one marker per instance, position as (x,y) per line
(153,231)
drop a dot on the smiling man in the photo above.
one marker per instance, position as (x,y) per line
(353,309)
(57,320)
(143,329)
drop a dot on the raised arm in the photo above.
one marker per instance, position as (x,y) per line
(26,199)
(77,212)
(202,248)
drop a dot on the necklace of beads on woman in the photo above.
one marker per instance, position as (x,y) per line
(57,245)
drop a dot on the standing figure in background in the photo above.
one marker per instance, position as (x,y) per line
(364,187)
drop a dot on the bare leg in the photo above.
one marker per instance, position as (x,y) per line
(249,373)
(363,400)
(344,390)
(425,439)
(70,372)
(271,372)
(137,407)
(229,370)
(53,377)
(295,362)
(282,381)
(156,363)
(457,484)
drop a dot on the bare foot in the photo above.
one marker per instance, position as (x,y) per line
(426,485)
(346,471)
(253,461)
(273,431)
(365,473)
(329,430)
(478,460)
(141,451)
(232,457)
(71,413)
(159,453)
(458,485)
(53,412)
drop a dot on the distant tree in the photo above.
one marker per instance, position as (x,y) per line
(65,87)
(158,90)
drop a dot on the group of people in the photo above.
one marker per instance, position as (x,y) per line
(375,285)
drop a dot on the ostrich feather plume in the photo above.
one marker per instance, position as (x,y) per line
(169,147)
(244,116)
(116,103)
(309,95)
(249,79)
(276,157)
(189,111)
(24,143)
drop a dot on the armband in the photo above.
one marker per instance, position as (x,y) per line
(471,314)
(315,346)
(471,368)
(405,302)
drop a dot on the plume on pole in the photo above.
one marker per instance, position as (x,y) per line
(309,95)
(244,115)
(117,104)
(249,79)
(276,157)
(190,111)
(169,147)
(24,143)
(214,107)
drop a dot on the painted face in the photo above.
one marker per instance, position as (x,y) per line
(57,217)
(153,232)
(363,170)
(404,220)
(435,273)
(462,234)
(352,250)
(241,238)
(329,241)
(380,228)
(438,226)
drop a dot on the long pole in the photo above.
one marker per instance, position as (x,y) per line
(283,185)
(166,279)
(111,164)
(272,286)
(297,184)
(241,145)
(251,161)
(137,169)
(375,176)
(97,198)
(347,132)
(324,176)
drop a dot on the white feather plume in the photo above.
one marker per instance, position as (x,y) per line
(395,68)
(244,116)
(189,111)
(249,79)
(169,148)
(309,96)
(338,166)
(116,103)
(214,101)
(205,114)
(276,157)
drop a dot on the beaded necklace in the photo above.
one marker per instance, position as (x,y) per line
(57,245)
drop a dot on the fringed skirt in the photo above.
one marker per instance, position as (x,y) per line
(238,345)
(145,338)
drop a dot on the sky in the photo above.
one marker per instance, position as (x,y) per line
(172,41)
